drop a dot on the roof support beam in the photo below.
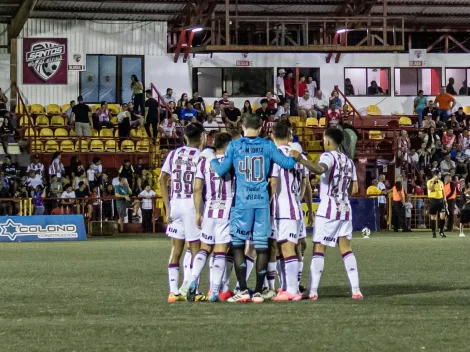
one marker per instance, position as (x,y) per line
(20,18)
(43,12)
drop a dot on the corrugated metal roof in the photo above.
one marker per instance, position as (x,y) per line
(260,9)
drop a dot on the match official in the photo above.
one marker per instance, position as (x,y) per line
(450,192)
(437,204)
(398,207)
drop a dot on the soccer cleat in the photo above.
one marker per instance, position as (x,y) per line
(241,297)
(301,288)
(357,296)
(223,296)
(257,298)
(268,294)
(441,233)
(214,297)
(191,293)
(172,298)
(313,296)
(433,235)
(201,297)
(461,234)
(183,290)
(286,296)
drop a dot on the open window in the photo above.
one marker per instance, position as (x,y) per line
(457,81)
(367,81)
(408,81)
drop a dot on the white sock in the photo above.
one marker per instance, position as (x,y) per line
(187,267)
(211,264)
(316,269)
(173,278)
(350,264)
(301,268)
(228,272)
(281,273)
(271,275)
(292,273)
(198,264)
(218,270)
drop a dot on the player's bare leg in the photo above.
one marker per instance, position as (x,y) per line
(288,250)
(173,270)
(316,269)
(350,264)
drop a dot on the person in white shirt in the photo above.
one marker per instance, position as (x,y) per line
(168,126)
(447,164)
(283,109)
(36,166)
(311,86)
(306,106)
(321,104)
(382,200)
(68,197)
(115,181)
(91,176)
(147,208)
(414,156)
(210,124)
(34,180)
(281,90)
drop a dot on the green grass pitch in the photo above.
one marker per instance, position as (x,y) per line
(111,295)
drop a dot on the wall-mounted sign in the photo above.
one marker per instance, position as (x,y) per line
(44,61)
(417,57)
(77,61)
(244,63)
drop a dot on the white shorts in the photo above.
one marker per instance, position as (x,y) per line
(183,221)
(303,229)
(215,231)
(327,231)
(288,230)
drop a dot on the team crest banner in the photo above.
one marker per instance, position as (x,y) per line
(45,61)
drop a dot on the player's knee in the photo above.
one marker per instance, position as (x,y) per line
(318,248)
(288,249)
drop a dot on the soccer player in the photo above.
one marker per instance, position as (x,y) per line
(287,187)
(215,222)
(251,158)
(180,169)
(333,222)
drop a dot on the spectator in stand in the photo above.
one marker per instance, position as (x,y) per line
(373,191)
(446,103)
(448,140)
(302,86)
(123,201)
(168,127)
(104,119)
(419,204)
(147,208)
(439,154)
(273,100)
(268,125)
(428,122)
(335,98)
(461,117)
(7,133)
(81,176)
(68,197)
(247,107)
(419,105)
(210,124)
(3,103)
(431,110)
(38,200)
(461,166)
(465,140)
(333,116)
(374,89)
(464,89)
(36,166)
(446,164)
(414,156)
(97,168)
(12,171)
(57,168)
(454,124)
(281,90)
(433,140)
(348,87)
(138,171)
(82,203)
(83,118)
(225,101)
(320,103)
(188,113)
(404,145)
(289,89)
(220,113)
(137,94)
(55,188)
(283,109)
(263,111)
(450,87)
(198,99)
(136,120)
(306,106)
(424,156)
(311,86)
(181,103)
(234,115)
(201,113)
(127,171)
(168,97)
(152,114)
(34,180)
(124,122)
(450,193)
(69,114)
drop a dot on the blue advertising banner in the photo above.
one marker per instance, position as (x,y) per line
(42,228)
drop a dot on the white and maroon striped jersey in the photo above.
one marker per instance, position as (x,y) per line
(181,165)
(218,190)
(286,204)
(334,186)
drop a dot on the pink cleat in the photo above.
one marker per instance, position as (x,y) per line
(313,296)
(357,296)
(286,296)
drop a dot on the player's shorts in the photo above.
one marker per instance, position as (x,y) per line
(435,206)
(303,230)
(246,222)
(215,231)
(288,230)
(328,231)
(183,221)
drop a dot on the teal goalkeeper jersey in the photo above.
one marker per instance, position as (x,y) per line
(251,158)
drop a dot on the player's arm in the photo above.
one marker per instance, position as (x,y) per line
(307,196)
(221,168)
(317,168)
(198,188)
(163,180)
(355,185)
(285,162)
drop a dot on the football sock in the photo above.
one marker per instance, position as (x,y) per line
(350,265)
(301,267)
(211,265)
(433,225)
(250,262)
(262,257)
(316,269)
(187,267)
(173,278)
(281,273)
(218,270)
(271,275)
(198,264)
(228,272)
(442,223)
(240,266)
(292,271)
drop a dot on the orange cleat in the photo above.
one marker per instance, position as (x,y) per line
(172,298)
(223,296)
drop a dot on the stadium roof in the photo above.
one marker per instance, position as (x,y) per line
(419,14)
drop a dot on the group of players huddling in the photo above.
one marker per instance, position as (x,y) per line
(244,200)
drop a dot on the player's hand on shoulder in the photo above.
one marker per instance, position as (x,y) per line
(208,154)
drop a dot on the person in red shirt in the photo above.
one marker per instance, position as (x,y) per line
(273,100)
(269,124)
(419,205)
(333,116)
(289,87)
(448,140)
(302,86)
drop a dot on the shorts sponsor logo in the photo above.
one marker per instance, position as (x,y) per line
(241,232)
(292,235)
(14,230)
(172,230)
(207,237)
(328,239)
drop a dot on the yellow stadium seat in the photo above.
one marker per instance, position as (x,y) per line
(96,146)
(20,108)
(375,135)
(36,109)
(114,120)
(53,109)
(106,132)
(37,147)
(95,133)
(67,146)
(57,121)
(322,122)
(42,120)
(142,133)
(24,121)
(46,132)
(404,121)
(254,107)
(72,133)
(373,110)
(312,122)
(111,146)
(113,108)
(81,145)
(133,133)
(294,119)
(466,110)
(127,146)
(65,107)
(61,133)
(30,132)
(314,157)
(95,107)
(142,146)
(51,147)
(116,133)
(209,109)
